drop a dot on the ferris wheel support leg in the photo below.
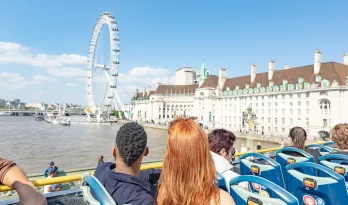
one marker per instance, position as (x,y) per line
(118,101)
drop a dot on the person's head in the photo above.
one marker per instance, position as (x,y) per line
(101,157)
(188,172)
(52,172)
(298,137)
(339,134)
(242,145)
(51,164)
(131,146)
(221,142)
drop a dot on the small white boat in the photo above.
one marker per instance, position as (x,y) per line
(5,114)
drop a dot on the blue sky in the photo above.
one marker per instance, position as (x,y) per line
(158,37)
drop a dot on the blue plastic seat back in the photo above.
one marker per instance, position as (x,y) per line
(221,182)
(321,148)
(277,195)
(336,162)
(102,196)
(311,189)
(331,144)
(291,155)
(270,170)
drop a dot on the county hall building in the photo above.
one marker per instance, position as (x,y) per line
(314,97)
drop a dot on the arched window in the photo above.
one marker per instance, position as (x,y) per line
(325,107)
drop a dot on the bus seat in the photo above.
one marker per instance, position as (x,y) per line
(102,196)
(336,162)
(277,195)
(330,144)
(270,171)
(310,189)
(291,155)
(321,148)
(221,181)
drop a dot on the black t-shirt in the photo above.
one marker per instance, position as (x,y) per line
(127,189)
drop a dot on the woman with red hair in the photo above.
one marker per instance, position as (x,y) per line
(188,174)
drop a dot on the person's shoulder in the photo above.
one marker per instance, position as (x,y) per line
(225,198)
(102,167)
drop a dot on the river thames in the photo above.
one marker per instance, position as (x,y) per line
(33,144)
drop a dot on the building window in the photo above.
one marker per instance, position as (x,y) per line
(299,112)
(263,104)
(269,128)
(159,116)
(269,111)
(276,96)
(283,121)
(307,130)
(283,96)
(276,129)
(307,94)
(275,121)
(269,120)
(324,122)
(269,104)
(263,111)
(307,103)
(291,112)
(307,121)
(276,112)
(283,129)
(276,104)
(299,103)
(299,95)
(283,111)
(290,121)
(262,120)
(290,104)
(325,107)
(307,111)
(290,95)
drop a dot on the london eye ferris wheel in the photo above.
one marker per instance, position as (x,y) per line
(105,73)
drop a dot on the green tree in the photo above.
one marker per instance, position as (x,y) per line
(116,113)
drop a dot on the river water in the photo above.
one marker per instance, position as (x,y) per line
(33,144)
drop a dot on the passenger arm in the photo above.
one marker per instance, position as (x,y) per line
(13,176)
(150,175)
(46,173)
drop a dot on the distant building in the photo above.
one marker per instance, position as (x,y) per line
(185,76)
(36,105)
(312,96)
(2,103)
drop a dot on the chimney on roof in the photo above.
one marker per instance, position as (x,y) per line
(222,77)
(317,61)
(144,91)
(158,84)
(253,73)
(270,69)
(148,91)
(287,67)
(345,59)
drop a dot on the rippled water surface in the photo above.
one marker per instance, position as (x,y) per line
(33,144)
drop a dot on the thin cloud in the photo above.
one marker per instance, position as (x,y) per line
(69,84)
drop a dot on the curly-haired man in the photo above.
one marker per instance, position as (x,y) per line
(339,134)
(124,180)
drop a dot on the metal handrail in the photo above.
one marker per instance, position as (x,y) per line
(77,177)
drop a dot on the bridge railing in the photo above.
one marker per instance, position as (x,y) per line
(77,177)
